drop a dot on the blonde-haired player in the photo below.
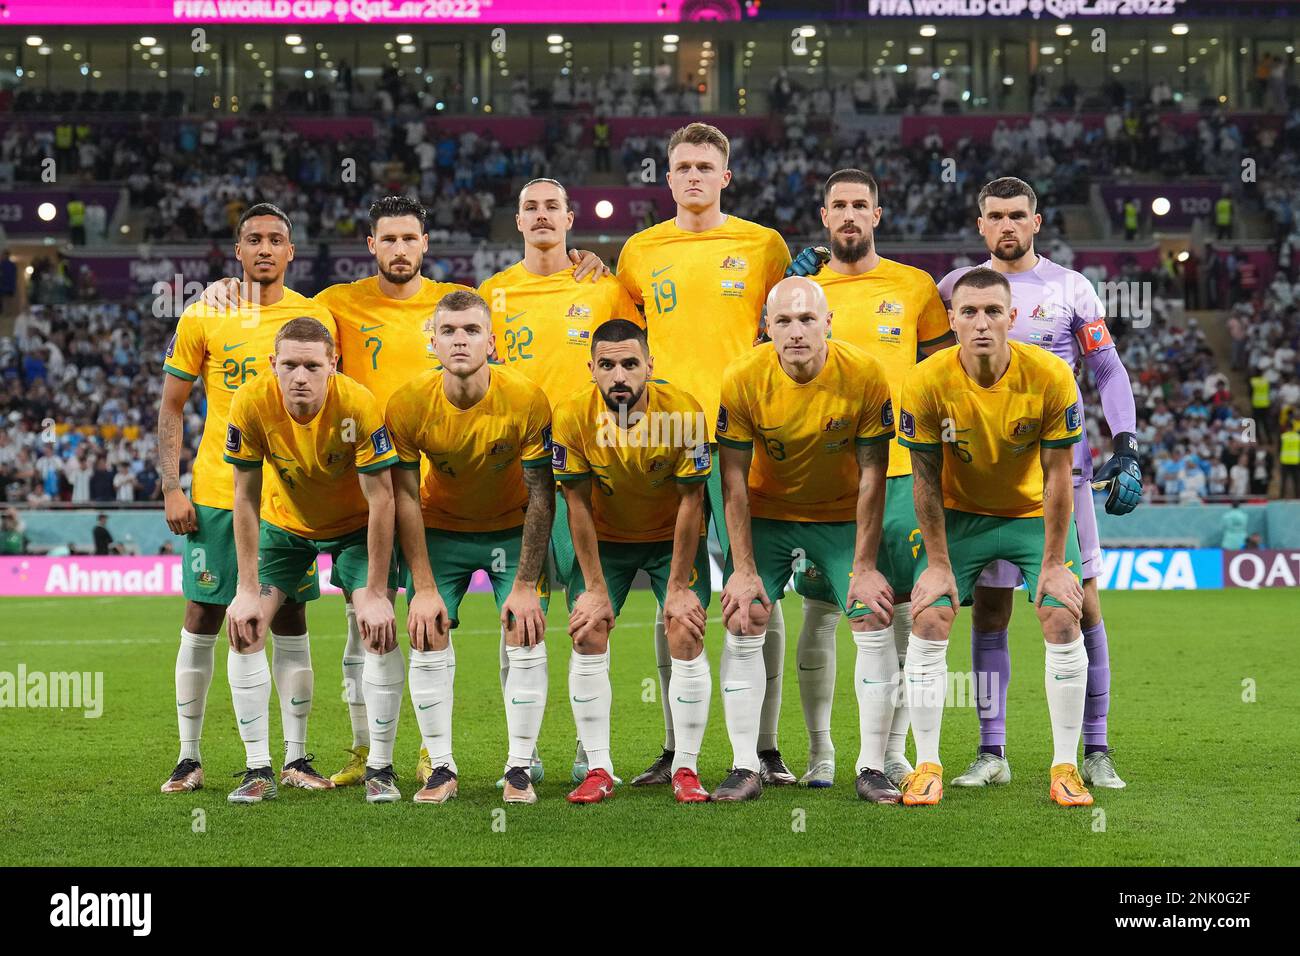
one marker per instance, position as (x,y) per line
(990,423)
(485,502)
(702,278)
(322,438)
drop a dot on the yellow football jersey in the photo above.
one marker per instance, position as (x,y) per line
(703,295)
(476,456)
(889,312)
(635,471)
(807,469)
(543,324)
(226,349)
(991,436)
(311,487)
(383,342)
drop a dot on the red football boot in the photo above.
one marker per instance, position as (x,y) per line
(594,788)
(687,787)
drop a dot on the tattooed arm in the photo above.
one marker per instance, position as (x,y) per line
(178,509)
(521,612)
(937,579)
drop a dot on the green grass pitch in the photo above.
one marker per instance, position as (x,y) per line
(1201,757)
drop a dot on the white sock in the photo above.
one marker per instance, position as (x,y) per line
(382,677)
(250,690)
(525,697)
(504,659)
(875,678)
(1066,680)
(291,666)
(194,663)
(354,658)
(664,662)
(431,695)
(926,670)
(815,655)
(743,680)
(902,624)
(689,691)
(591,696)
(773,664)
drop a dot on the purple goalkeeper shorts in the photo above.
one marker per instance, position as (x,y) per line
(1004,574)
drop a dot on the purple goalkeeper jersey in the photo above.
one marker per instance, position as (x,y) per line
(1058,309)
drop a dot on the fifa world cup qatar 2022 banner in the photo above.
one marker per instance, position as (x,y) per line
(324,12)
(1123,569)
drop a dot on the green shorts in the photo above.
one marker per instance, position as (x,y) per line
(900,544)
(282,556)
(782,548)
(455,555)
(713,511)
(210,567)
(620,561)
(975,540)
(562,541)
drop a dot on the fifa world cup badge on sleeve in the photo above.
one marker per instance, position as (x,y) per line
(234,439)
(906,423)
(1072,417)
(887,414)
(171,346)
(559,456)
(379,438)
(546,437)
(702,458)
(722,418)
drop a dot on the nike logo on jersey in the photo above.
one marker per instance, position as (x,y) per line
(371,328)
(656,273)
(511,318)
(231,348)
(767,428)
(280,457)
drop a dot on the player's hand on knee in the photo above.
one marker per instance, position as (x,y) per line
(870,590)
(682,607)
(1056,580)
(376,620)
(935,581)
(521,613)
(591,609)
(589,265)
(222,295)
(742,589)
(426,619)
(245,622)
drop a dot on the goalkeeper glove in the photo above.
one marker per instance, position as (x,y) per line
(809,262)
(1121,475)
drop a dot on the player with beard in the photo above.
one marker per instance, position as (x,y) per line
(893,312)
(1060,311)
(632,455)
(701,278)
(226,347)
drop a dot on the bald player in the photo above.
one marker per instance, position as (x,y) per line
(1057,310)
(814,491)
(701,278)
(893,312)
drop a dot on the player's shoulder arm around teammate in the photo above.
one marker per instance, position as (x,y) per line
(622,305)
(188,347)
